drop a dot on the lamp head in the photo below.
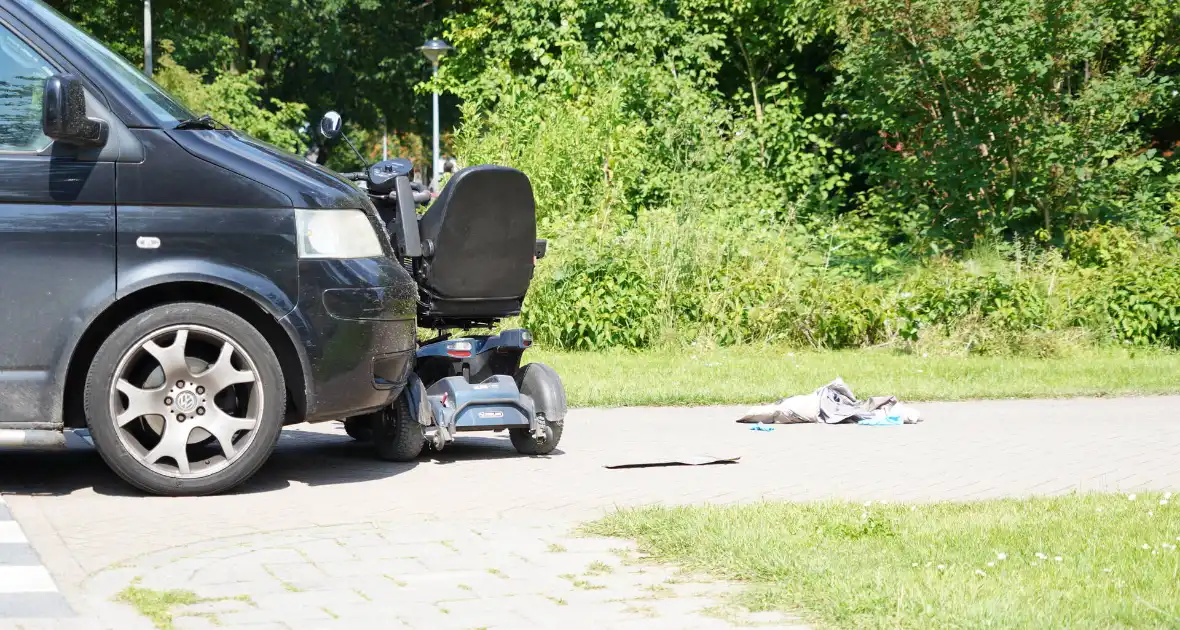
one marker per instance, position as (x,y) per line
(435,50)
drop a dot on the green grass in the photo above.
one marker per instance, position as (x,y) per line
(750,374)
(158,606)
(950,565)
(598,568)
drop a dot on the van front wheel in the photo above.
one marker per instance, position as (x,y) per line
(185,399)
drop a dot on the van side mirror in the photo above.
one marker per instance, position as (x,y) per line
(331,125)
(63,113)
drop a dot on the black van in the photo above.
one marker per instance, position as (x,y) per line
(181,290)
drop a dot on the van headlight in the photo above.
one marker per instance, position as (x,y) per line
(336,234)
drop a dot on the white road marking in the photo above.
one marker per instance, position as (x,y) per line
(10,532)
(26,580)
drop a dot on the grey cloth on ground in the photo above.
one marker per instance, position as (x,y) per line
(833,403)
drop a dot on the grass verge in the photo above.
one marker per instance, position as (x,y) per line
(752,374)
(1091,561)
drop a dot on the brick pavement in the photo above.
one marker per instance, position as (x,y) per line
(312,540)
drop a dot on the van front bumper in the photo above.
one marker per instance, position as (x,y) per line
(356,321)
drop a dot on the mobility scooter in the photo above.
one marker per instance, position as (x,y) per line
(472,256)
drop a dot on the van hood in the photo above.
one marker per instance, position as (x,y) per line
(307,185)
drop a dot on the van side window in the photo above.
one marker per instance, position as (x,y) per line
(22,82)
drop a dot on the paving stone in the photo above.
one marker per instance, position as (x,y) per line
(286,616)
(679,606)
(355,568)
(298,576)
(216,607)
(222,573)
(308,599)
(181,622)
(236,589)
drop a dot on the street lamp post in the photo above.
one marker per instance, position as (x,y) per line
(147,37)
(435,50)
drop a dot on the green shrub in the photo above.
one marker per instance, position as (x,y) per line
(235,100)
(1003,117)
(594,303)
(1143,303)
(825,173)
(1102,245)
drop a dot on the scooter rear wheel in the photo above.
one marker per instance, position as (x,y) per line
(543,384)
(397,434)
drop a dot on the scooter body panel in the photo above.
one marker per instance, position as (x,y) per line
(493,404)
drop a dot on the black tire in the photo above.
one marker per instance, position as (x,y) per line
(102,376)
(396,433)
(544,385)
(359,428)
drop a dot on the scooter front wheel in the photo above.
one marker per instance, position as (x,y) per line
(542,383)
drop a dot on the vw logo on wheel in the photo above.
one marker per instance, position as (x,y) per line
(186,402)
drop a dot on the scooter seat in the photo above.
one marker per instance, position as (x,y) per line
(480,238)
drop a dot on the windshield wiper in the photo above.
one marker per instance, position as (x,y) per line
(204,121)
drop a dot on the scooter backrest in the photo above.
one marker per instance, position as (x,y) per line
(482,231)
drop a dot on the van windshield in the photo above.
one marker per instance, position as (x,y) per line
(163,106)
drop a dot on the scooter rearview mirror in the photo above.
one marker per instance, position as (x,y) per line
(331,125)
(332,128)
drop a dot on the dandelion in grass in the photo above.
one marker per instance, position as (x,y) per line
(1032,564)
(1098,510)
(1001,556)
(1107,570)
(1058,558)
(868,503)
(1163,501)
(1042,556)
(1130,497)
(1150,513)
(864,514)
(991,564)
(1147,546)
(980,573)
(942,567)
(1167,495)
(914,564)
(913,507)
(883,502)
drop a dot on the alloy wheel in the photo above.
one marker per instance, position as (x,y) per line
(186,401)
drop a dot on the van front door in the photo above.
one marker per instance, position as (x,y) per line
(57,242)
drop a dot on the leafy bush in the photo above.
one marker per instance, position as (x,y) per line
(594,303)
(1002,117)
(235,100)
(1143,303)
(757,171)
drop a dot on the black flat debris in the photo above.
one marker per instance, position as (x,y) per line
(695,460)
